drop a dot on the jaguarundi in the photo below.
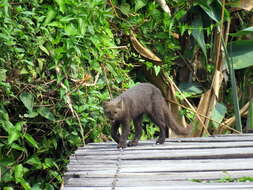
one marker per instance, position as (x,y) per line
(132,104)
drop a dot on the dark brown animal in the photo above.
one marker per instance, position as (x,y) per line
(132,104)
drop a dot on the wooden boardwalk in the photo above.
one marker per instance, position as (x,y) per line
(175,165)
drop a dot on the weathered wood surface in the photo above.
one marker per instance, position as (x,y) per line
(174,165)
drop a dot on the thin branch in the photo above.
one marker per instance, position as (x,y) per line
(222,124)
(117,47)
(107,81)
(192,108)
(113,8)
(230,121)
(69,102)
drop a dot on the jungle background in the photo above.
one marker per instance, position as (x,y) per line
(61,59)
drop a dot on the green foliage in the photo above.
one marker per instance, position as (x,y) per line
(250,116)
(52,52)
(59,61)
(241,52)
(153,27)
(225,179)
(218,114)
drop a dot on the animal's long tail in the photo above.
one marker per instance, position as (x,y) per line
(171,123)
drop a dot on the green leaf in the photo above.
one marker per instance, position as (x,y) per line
(8,188)
(241,52)
(13,136)
(6,5)
(25,184)
(7,126)
(56,175)
(198,34)
(37,187)
(49,187)
(233,82)
(49,163)
(31,115)
(250,116)
(19,125)
(70,30)
(3,74)
(45,112)
(7,162)
(157,69)
(242,32)
(51,13)
(35,161)
(212,10)
(4,115)
(125,8)
(28,100)
(139,4)
(17,147)
(31,140)
(19,171)
(61,4)
(218,114)
(192,88)
(44,49)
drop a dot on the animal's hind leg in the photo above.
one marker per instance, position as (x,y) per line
(159,120)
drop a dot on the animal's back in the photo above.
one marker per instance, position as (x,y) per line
(141,92)
(142,98)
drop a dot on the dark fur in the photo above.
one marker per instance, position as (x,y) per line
(132,104)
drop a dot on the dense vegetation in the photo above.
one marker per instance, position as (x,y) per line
(61,59)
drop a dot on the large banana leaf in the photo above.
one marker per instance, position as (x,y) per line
(241,52)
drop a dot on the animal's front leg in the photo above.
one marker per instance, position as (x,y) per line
(115,132)
(124,135)
(138,131)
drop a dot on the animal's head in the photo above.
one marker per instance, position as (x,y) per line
(114,110)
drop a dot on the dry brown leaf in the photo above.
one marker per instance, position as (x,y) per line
(175,109)
(230,121)
(217,79)
(243,4)
(164,6)
(145,52)
(203,110)
(246,4)
(194,132)
(175,35)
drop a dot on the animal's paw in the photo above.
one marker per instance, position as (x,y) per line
(132,143)
(160,141)
(121,145)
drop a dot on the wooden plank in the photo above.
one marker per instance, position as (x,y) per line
(140,181)
(221,138)
(169,184)
(155,188)
(172,176)
(168,145)
(87,188)
(171,165)
(225,138)
(192,187)
(129,154)
(104,163)
(88,182)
